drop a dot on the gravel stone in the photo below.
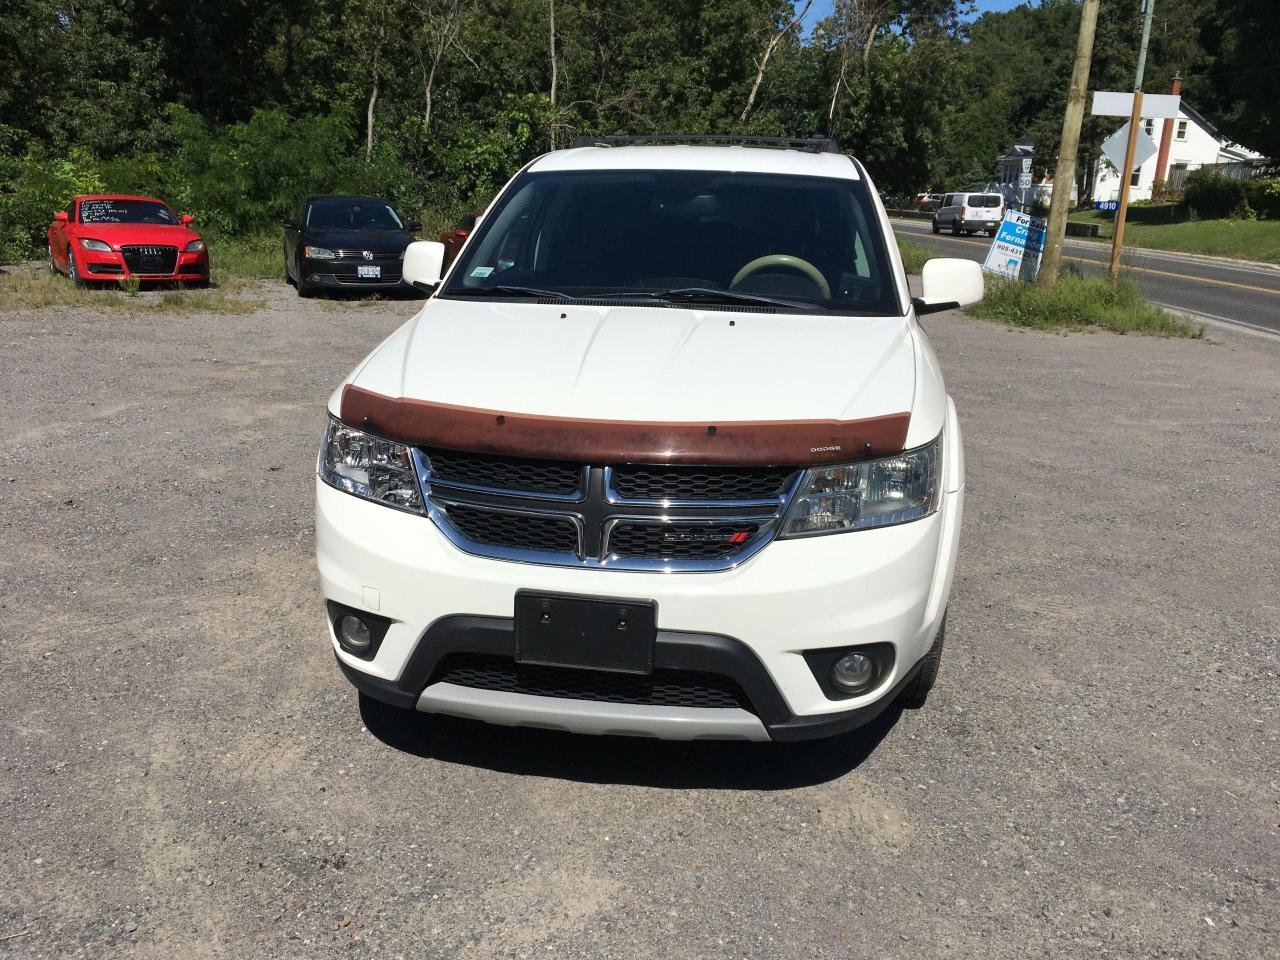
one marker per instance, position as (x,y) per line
(1094,776)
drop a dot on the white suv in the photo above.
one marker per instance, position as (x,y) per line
(666,453)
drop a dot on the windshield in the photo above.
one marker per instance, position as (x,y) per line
(126,211)
(352,215)
(706,235)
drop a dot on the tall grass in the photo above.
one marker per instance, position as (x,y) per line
(32,286)
(1076,302)
(254,256)
(913,255)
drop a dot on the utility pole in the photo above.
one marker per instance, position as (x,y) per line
(1135,118)
(1065,173)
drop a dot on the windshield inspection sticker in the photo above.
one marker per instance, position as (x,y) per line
(482,272)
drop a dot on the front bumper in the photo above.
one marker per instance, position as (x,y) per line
(768,719)
(752,623)
(110,265)
(345,274)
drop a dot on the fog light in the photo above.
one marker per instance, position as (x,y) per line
(353,633)
(854,672)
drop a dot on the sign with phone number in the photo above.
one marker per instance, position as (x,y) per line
(1016,251)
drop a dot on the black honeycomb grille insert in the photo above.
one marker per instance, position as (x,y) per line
(679,541)
(667,688)
(150,259)
(665,482)
(505,473)
(550,533)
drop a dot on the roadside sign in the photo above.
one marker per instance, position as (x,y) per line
(1113,148)
(1107,103)
(1106,205)
(1026,164)
(1024,181)
(1015,253)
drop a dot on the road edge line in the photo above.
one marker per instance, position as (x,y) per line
(1224,323)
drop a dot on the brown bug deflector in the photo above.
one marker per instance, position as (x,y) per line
(738,442)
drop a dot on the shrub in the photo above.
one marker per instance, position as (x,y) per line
(1076,301)
(1211,196)
(32,187)
(238,179)
(1263,195)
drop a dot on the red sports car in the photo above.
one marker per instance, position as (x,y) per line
(119,237)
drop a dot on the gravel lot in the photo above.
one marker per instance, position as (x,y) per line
(186,773)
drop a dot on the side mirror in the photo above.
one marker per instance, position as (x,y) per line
(415,227)
(461,234)
(186,219)
(948,283)
(423,264)
(61,215)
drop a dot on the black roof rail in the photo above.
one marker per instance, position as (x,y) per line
(807,144)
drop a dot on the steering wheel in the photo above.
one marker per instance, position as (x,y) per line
(784,260)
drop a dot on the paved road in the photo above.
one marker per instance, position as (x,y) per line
(1240,293)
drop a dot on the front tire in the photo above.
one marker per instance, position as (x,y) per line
(916,692)
(73,271)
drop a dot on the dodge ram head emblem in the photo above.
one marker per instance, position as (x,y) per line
(368,254)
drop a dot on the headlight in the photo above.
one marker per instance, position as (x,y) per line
(369,467)
(874,493)
(318,253)
(195,246)
(95,245)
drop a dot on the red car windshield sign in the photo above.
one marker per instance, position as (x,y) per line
(125,211)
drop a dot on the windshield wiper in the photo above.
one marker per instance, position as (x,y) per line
(506,290)
(708,295)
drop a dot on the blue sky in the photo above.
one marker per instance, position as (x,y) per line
(822,8)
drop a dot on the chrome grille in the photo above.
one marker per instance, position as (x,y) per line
(632,516)
(530,531)
(508,474)
(375,256)
(637,481)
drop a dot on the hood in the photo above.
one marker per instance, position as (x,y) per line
(647,363)
(174,235)
(381,240)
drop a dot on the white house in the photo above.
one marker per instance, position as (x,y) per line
(1194,143)
(1009,168)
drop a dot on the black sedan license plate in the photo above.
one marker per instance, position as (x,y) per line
(566,631)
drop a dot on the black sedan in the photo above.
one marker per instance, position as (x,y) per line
(345,243)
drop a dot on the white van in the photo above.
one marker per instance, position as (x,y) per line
(968,213)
